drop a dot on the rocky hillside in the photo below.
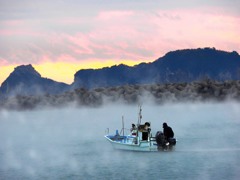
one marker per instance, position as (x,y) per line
(206,90)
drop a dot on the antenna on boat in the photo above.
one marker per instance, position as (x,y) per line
(123,125)
(140,114)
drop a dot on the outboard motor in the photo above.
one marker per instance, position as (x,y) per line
(162,143)
(160,139)
(172,141)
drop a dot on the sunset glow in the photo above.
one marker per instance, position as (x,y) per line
(5,71)
(63,71)
(59,38)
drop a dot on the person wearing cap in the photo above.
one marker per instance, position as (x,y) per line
(167,131)
(133,130)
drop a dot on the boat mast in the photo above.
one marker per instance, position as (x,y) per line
(123,125)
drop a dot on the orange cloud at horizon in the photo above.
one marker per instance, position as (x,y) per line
(63,71)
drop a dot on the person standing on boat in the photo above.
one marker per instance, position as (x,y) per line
(146,131)
(133,130)
(147,126)
(167,131)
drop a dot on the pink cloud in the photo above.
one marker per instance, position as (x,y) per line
(81,44)
(136,35)
(183,30)
(18,28)
(3,62)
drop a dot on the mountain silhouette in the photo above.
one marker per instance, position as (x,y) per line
(25,80)
(177,66)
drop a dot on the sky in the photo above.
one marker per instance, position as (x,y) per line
(60,37)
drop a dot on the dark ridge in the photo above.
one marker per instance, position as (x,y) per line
(175,67)
(25,80)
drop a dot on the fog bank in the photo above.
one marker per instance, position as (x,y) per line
(68,142)
(203,91)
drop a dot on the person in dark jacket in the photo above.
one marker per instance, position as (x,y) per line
(167,131)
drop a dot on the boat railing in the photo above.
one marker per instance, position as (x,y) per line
(123,130)
(107,131)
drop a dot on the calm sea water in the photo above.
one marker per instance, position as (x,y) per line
(69,143)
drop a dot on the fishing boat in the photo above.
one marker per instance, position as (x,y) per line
(140,138)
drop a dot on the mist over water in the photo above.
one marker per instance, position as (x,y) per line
(68,143)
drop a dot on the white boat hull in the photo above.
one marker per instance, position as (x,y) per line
(130,143)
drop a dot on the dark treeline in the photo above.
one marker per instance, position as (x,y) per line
(206,90)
